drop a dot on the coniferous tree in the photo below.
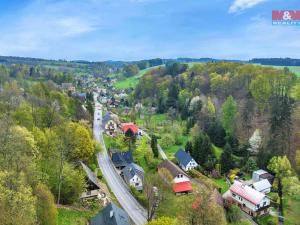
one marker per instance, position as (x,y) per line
(154,146)
(226,159)
(189,147)
(201,148)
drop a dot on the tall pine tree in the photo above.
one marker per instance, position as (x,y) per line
(226,159)
(154,146)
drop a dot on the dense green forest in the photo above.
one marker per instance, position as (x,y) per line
(44,134)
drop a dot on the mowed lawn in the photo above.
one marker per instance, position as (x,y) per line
(170,151)
(73,217)
(131,82)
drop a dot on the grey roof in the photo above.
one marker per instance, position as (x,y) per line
(171,167)
(133,169)
(107,117)
(262,185)
(92,177)
(183,157)
(111,215)
(121,159)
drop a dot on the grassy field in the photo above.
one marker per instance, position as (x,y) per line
(73,217)
(221,183)
(294,69)
(131,82)
(217,151)
(170,152)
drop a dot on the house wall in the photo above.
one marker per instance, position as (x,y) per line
(136,182)
(250,205)
(180,178)
(191,165)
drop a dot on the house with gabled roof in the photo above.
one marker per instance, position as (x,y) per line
(121,159)
(185,160)
(110,123)
(133,175)
(181,182)
(263,186)
(130,127)
(92,184)
(111,215)
(262,174)
(248,199)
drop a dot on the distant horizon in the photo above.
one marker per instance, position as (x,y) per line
(101,30)
(163,58)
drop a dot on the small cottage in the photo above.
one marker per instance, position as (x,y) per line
(92,184)
(133,175)
(110,124)
(185,160)
(181,182)
(130,127)
(259,175)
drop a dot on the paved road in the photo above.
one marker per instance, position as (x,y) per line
(136,212)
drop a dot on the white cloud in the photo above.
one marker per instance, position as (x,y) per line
(240,5)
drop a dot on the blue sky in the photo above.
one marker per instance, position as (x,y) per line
(139,29)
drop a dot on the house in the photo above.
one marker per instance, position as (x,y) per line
(110,215)
(263,186)
(110,123)
(262,174)
(185,160)
(93,186)
(181,182)
(248,199)
(133,175)
(68,87)
(121,159)
(126,127)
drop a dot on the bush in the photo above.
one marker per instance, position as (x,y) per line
(46,208)
(234,214)
(167,140)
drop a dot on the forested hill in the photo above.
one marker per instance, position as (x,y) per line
(257,97)
(276,61)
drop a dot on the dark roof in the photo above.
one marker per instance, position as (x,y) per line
(122,158)
(132,169)
(111,215)
(92,177)
(183,157)
(174,170)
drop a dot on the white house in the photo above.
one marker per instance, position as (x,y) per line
(185,160)
(263,186)
(181,182)
(248,199)
(134,176)
(259,175)
(110,123)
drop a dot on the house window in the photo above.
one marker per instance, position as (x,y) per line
(264,203)
(137,184)
(233,194)
(257,205)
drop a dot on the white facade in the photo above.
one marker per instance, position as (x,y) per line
(245,203)
(110,127)
(191,165)
(180,178)
(136,182)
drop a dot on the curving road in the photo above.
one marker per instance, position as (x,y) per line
(135,211)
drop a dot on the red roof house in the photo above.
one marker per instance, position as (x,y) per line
(129,126)
(182,187)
